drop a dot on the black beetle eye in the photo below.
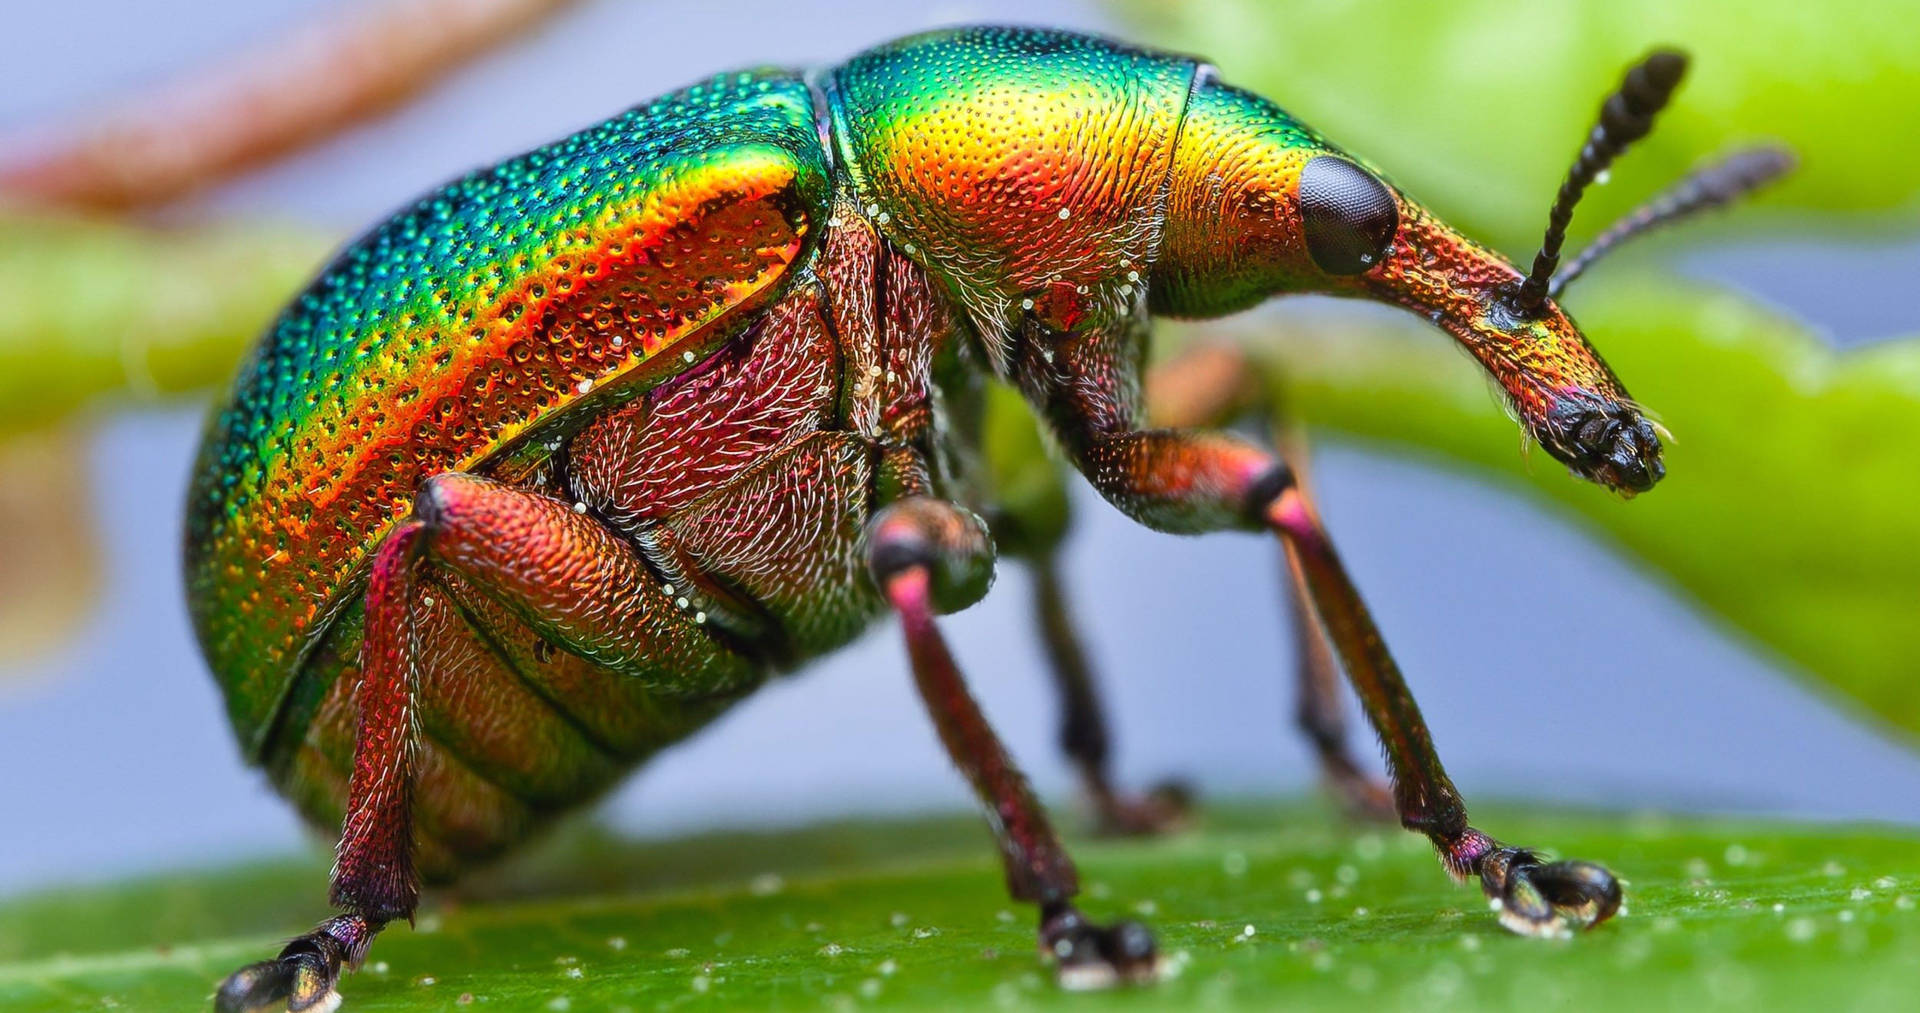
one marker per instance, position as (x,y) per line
(1350,217)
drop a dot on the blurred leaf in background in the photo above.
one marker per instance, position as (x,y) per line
(1789,506)
(1476,107)
(99,313)
(51,565)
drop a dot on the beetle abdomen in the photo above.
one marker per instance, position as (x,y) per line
(481,317)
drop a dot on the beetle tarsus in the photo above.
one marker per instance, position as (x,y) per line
(1165,808)
(1089,956)
(300,980)
(1534,897)
(903,541)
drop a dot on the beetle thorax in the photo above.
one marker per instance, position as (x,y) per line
(1027,171)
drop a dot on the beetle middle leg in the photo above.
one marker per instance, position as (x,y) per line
(929,556)
(1083,720)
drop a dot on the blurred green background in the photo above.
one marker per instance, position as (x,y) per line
(1776,341)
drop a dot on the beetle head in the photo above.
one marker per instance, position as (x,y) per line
(1260,205)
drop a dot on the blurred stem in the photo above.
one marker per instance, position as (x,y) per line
(210,125)
(94,310)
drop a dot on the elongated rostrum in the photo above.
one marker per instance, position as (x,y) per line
(545,472)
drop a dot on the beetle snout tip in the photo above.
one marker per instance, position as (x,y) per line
(1618,449)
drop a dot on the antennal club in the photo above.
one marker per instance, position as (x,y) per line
(1709,186)
(1625,117)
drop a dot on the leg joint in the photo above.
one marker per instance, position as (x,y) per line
(950,543)
(1267,488)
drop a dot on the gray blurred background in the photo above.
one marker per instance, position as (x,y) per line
(1548,668)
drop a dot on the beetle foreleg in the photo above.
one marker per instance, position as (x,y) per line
(924,554)
(1533,897)
(1197,480)
(1317,707)
(1214,384)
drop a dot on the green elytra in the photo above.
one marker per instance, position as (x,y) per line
(547,470)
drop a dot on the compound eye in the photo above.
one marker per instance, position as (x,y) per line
(1350,216)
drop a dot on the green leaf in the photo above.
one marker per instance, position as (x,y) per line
(1788,507)
(1477,107)
(98,311)
(1269,904)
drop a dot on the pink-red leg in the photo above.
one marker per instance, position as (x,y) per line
(1213,384)
(373,879)
(1318,712)
(927,556)
(1198,480)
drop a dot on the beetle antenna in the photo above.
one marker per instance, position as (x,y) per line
(1625,117)
(1709,186)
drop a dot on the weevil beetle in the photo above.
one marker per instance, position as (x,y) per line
(546,471)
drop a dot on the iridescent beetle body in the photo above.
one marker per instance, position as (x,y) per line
(547,470)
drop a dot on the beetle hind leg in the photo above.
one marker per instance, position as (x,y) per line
(373,876)
(301,978)
(930,556)
(1164,808)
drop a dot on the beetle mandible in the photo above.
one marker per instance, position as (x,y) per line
(543,473)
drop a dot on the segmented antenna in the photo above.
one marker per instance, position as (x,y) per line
(1625,117)
(1709,186)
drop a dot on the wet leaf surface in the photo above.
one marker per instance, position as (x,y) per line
(1267,903)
